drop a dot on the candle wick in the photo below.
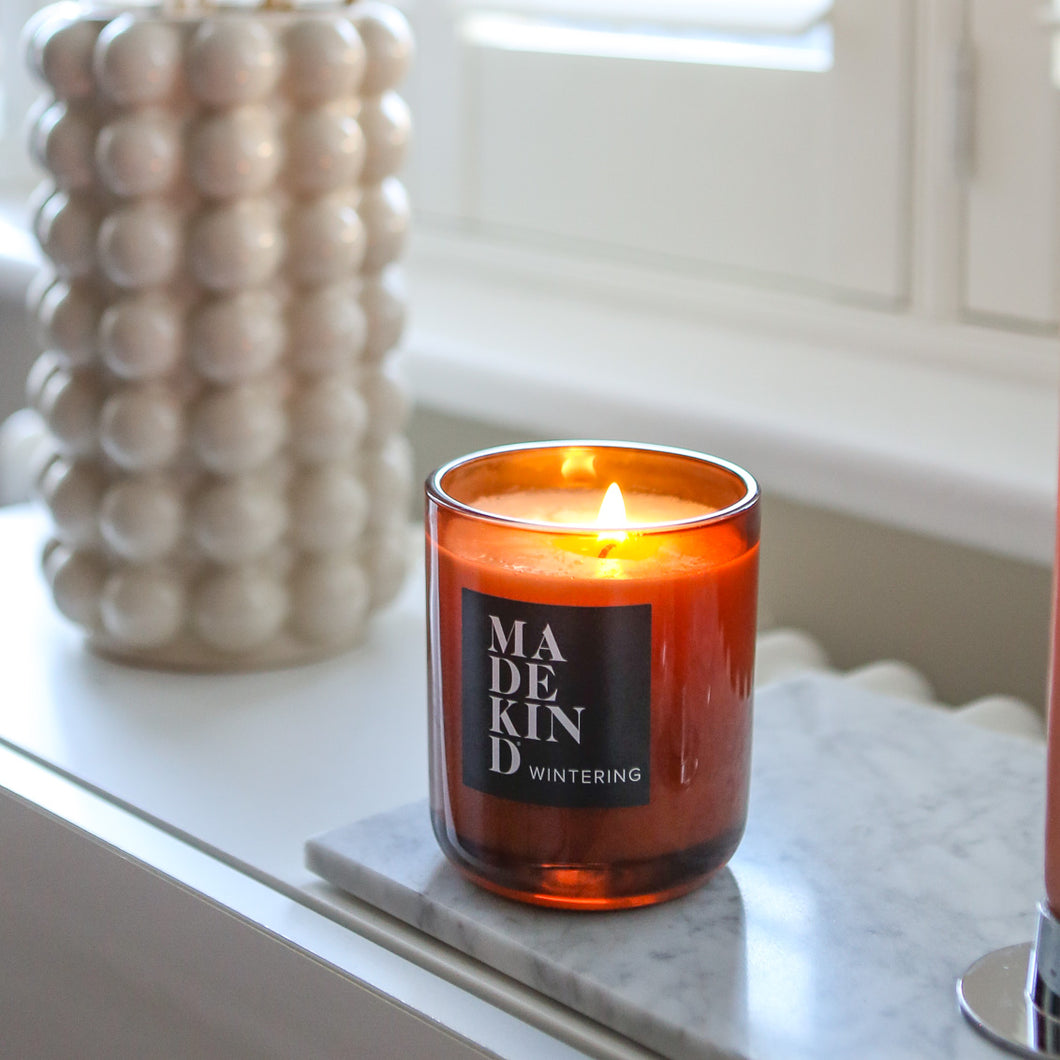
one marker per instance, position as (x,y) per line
(606,550)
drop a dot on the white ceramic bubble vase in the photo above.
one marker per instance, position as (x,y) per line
(229,480)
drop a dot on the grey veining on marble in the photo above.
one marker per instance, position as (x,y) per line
(888,846)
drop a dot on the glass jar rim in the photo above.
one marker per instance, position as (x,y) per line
(436,491)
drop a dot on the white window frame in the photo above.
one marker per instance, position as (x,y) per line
(972,458)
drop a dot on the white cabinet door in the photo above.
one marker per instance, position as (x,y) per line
(796,178)
(1010,201)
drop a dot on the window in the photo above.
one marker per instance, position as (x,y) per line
(772,143)
(893,155)
(843,275)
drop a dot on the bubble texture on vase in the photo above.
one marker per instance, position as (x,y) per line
(229,479)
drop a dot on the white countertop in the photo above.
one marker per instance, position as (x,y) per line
(290,752)
(245,768)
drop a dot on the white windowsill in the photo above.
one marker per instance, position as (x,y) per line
(910,424)
(945,430)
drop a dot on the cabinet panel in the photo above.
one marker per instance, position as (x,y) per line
(101,956)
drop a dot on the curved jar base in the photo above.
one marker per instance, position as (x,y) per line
(592,886)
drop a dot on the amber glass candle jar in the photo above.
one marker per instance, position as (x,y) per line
(590,668)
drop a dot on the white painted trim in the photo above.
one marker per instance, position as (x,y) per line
(945,429)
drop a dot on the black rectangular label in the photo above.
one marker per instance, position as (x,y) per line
(556,701)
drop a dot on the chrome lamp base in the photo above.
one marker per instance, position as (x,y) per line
(1012,996)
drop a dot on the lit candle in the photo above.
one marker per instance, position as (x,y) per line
(592,621)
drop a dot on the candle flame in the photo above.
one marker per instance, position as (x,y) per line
(612,508)
(612,515)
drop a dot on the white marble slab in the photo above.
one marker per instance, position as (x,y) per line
(888,846)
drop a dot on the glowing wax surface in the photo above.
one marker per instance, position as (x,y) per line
(579,507)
